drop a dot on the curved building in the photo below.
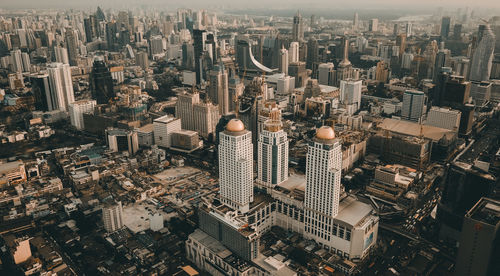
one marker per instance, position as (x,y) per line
(246,60)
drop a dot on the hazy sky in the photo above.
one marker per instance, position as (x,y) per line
(263,4)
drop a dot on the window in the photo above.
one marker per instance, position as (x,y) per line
(334,232)
(348,235)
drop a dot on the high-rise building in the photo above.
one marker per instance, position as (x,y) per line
(480,92)
(445,27)
(350,94)
(272,151)
(112,216)
(206,116)
(184,109)
(479,249)
(236,166)
(101,82)
(373,25)
(323,172)
(457,32)
(61,55)
(355,22)
(482,58)
(414,105)
(444,118)
(16,60)
(71,37)
(218,90)
(326,74)
(298,28)
(111,39)
(408,29)
(298,71)
(141,59)
(61,86)
(312,55)
(26,62)
(40,88)
(156,45)
(77,109)
(293,52)
(283,61)
(163,129)
(199,38)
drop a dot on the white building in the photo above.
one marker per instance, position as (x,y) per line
(163,128)
(16,61)
(323,171)
(236,166)
(61,86)
(350,94)
(77,109)
(61,55)
(414,105)
(112,217)
(272,150)
(444,118)
(283,61)
(293,52)
(155,222)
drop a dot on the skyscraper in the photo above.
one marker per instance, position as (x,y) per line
(350,94)
(61,55)
(41,91)
(293,52)
(206,116)
(71,37)
(101,82)
(61,86)
(414,105)
(482,58)
(355,22)
(445,27)
(236,166)
(326,74)
(272,151)
(199,38)
(298,28)
(478,252)
(184,109)
(16,61)
(373,25)
(283,61)
(77,109)
(323,172)
(218,90)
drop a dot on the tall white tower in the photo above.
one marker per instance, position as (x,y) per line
(323,171)
(293,52)
(272,152)
(283,61)
(61,86)
(236,166)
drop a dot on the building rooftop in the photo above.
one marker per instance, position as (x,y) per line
(9,166)
(415,129)
(165,119)
(353,211)
(486,210)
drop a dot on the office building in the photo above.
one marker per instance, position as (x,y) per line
(101,82)
(414,105)
(61,86)
(350,94)
(373,25)
(482,58)
(184,108)
(185,140)
(218,89)
(41,91)
(457,32)
(444,118)
(480,92)
(479,248)
(355,22)
(142,60)
(163,129)
(236,166)
(326,74)
(61,55)
(445,27)
(206,116)
(120,140)
(71,37)
(298,28)
(272,152)
(112,216)
(16,61)
(77,109)
(298,71)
